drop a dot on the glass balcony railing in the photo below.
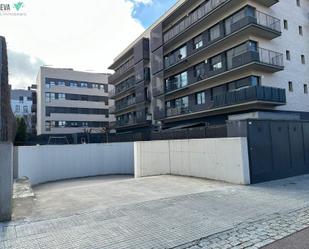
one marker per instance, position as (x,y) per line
(122,87)
(125,104)
(192,18)
(232,25)
(265,94)
(125,122)
(123,69)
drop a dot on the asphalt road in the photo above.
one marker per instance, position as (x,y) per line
(298,240)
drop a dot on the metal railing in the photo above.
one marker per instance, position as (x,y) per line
(268,21)
(192,18)
(270,57)
(249,54)
(249,94)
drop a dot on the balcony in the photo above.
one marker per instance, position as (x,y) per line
(122,106)
(125,123)
(122,88)
(207,13)
(263,25)
(260,59)
(122,72)
(193,18)
(253,97)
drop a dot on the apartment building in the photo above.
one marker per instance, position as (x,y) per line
(21,104)
(132,88)
(214,60)
(69,101)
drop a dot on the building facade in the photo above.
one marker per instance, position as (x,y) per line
(215,60)
(21,104)
(69,101)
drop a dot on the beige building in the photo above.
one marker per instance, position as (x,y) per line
(214,60)
(70,101)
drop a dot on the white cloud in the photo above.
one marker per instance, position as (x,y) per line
(84,35)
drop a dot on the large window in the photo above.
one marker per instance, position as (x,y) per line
(198,42)
(214,32)
(239,50)
(216,63)
(200,98)
(229,22)
(243,83)
(177,81)
(178,103)
(175,56)
(199,71)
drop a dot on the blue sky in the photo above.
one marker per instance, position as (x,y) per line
(148,14)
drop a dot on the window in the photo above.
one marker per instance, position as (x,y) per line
(61,96)
(216,63)
(47,85)
(17,108)
(290,86)
(199,71)
(214,32)
(298,3)
(285,24)
(101,87)
(305,88)
(61,124)
(236,18)
(288,55)
(198,42)
(182,53)
(95,86)
(47,125)
(84,85)
(47,97)
(61,83)
(200,98)
(243,83)
(52,96)
(303,60)
(176,81)
(25,109)
(73,84)
(300,30)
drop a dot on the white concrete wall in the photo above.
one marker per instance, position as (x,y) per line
(56,162)
(224,159)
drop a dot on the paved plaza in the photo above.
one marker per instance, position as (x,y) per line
(157,212)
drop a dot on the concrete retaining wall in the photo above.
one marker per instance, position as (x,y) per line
(224,159)
(56,162)
(6,180)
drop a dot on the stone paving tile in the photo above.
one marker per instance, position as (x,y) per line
(214,216)
(255,234)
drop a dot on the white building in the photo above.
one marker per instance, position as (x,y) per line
(70,101)
(21,103)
